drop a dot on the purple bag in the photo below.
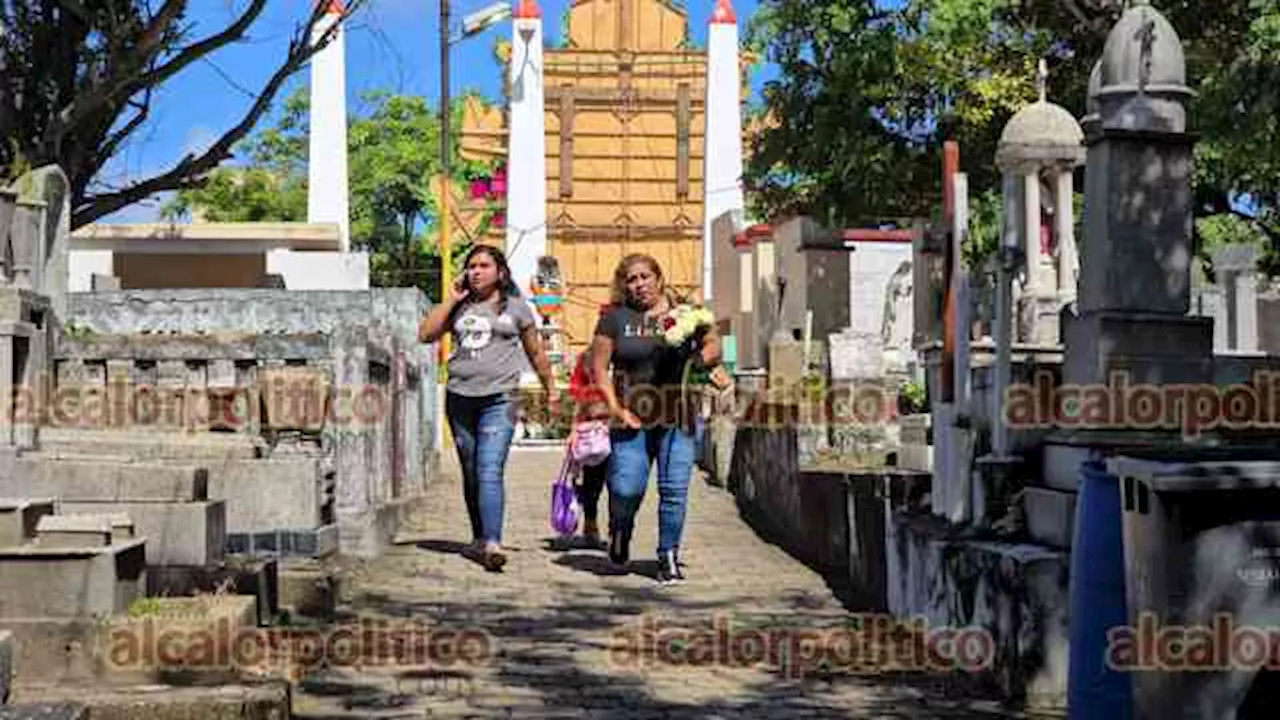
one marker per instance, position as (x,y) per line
(564,499)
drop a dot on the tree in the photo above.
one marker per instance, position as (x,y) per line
(867,95)
(393,159)
(78,79)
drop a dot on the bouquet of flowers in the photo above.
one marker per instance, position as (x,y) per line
(683,321)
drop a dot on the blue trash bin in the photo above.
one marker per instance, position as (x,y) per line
(1097,600)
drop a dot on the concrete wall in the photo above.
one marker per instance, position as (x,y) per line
(368,341)
(871,264)
(138,271)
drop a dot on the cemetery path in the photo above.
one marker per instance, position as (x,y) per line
(549,636)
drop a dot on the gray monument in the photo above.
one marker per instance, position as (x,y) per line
(1135,282)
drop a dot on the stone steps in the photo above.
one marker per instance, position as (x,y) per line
(19,518)
(155,640)
(70,582)
(176,533)
(83,530)
(150,444)
(88,478)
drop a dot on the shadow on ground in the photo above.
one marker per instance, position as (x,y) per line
(573,655)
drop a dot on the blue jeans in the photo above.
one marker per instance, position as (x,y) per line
(482,430)
(634,452)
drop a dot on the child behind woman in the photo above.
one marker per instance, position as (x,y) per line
(590,406)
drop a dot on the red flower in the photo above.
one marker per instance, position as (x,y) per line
(479,189)
(668,323)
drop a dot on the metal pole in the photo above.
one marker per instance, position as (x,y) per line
(446,246)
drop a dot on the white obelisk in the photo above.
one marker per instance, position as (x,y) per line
(526,149)
(722,169)
(327,194)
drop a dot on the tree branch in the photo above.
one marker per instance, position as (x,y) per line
(187,171)
(112,143)
(125,78)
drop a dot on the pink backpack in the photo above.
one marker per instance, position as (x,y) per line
(590,443)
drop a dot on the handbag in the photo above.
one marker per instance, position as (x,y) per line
(589,445)
(564,498)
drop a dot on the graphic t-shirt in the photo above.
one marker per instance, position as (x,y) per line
(487,357)
(647,371)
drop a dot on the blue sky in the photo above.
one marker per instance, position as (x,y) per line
(391,44)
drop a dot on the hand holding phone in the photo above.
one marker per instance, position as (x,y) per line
(461,288)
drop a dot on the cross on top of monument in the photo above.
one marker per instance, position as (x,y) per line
(1042,80)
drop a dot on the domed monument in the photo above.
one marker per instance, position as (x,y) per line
(1137,249)
(1039,149)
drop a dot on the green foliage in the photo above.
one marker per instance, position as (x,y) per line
(912,398)
(393,150)
(868,93)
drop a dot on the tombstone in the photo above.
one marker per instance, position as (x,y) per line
(898,326)
(1236,269)
(1135,279)
(35,221)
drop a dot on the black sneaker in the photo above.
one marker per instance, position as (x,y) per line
(619,547)
(669,568)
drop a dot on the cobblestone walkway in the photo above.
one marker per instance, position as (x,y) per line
(554,627)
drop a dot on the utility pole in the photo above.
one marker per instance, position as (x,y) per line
(446,247)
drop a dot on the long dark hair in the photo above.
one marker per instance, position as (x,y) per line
(506,286)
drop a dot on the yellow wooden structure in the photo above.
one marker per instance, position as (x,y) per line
(624,130)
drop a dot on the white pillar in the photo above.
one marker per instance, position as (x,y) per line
(1064,213)
(722,139)
(526,149)
(1031,229)
(327,193)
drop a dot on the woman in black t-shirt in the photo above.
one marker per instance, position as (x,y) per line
(647,399)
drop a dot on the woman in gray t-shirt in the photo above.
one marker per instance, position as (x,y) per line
(492,327)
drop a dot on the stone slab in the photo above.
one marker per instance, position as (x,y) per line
(313,543)
(103,478)
(257,701)
(1050,516)
(70,582)
(127,647)
(271,494)
(238,574)
(191,533)
(1015,592)
(149,445)
(19,518)
(1150,349)
(1139,225)
(309,591)
(77,530)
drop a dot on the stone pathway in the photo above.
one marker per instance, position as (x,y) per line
(554,635)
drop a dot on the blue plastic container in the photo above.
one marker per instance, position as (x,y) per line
(1096,691)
